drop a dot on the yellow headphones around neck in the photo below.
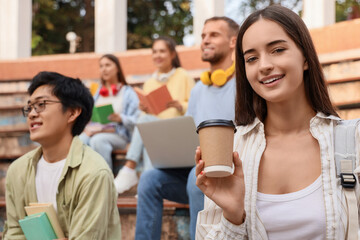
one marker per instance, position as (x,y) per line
(218,77)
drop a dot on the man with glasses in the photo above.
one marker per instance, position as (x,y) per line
(62,171)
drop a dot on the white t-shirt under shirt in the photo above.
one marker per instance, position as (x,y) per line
(47,180)
(297,215)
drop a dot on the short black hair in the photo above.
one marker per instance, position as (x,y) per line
(233,26)
(71,92)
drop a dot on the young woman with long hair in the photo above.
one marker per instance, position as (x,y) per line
(284,184)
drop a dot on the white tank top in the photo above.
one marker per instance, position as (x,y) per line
(298,215)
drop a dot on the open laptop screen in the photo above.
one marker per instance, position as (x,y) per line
(170,143)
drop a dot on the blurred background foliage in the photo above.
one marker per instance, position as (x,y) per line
(248,6)
(347,10)
(147,19)
(52,19)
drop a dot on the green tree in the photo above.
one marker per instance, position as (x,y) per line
(52,19)
(347,9)
(148,19)
(248,6)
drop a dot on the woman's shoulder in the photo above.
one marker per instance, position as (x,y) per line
(129,91)
(150,81)
(181,71)
(128,88)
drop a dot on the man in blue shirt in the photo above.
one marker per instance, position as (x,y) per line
(212,98)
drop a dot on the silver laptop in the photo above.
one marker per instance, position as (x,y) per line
(170,143)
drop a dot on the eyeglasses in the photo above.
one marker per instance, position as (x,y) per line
(38,106)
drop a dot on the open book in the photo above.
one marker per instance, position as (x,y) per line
(100,114)
(48,208)
(156,100)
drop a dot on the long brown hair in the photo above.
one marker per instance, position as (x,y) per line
(171,45)
(120,75)
(248,103)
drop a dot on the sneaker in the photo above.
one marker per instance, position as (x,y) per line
(125,180)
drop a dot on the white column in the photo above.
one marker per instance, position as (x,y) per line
(204,9)
(318,13)
(15,28)
(110,26)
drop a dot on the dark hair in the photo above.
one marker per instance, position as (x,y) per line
(120,75)
(71,92)
(171,45)
(248,103)
(233,26)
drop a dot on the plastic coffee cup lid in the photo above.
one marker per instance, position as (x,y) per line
(216,122)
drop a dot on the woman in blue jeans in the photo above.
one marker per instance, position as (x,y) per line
(179,85)
(104,138)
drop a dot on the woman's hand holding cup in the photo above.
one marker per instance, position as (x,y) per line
(227,192)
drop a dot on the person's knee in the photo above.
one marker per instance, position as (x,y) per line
(142,118)
(146,118)
(148,181)
(97,142)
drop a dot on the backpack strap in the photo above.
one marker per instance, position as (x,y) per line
(345,158)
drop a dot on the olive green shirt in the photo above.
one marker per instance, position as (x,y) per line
(86,196)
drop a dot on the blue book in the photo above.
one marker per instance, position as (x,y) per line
(37,227)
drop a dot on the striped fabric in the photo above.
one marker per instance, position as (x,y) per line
(250,144)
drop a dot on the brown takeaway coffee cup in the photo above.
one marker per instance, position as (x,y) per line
(216,142)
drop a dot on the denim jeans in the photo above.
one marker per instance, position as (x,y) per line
(137,149)
(104,144)
(172,184)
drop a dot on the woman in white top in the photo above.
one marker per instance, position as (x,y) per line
(284,186)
